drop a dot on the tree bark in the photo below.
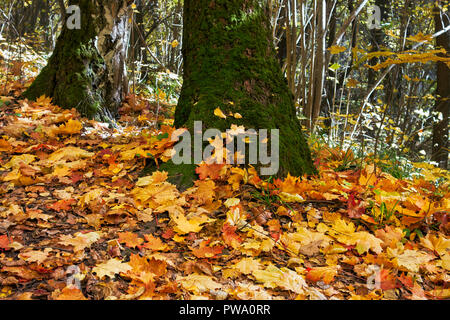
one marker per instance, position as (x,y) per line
(230,62)
(87,69)
(440,128)
(376,41)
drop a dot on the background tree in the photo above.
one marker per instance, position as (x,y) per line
(87,69)
(230,62)
(440,127)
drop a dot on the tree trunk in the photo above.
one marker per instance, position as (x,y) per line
(87,69)
(377,41)
(230,62)
(440,128)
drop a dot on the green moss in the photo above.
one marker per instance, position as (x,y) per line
(74,70)
(183,175)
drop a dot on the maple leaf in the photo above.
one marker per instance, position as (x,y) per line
(154,243)
(198,283)
(111,268)
(62,205)
(325,274)
(69,153)
(71,127)
(204,251)
(272,277)
(22,272)
(300,240)
(68,293)
(156,177)
(364,241)
(16,161)
(183,225)
(80,241)
(219,113)
(5,146)
(408,260)
(444,262)
(439,243)
(440,293)
(205,191)
(209,170)
(230,236)
(35,255)
(61,171)
(130,239)
(4,242)
(336,49)
(141,265)
(390,236)
(387,280)
(154,195)
(90,196)
(248,265)
(420,37)
(355,208)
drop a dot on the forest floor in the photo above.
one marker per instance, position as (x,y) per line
(80,219)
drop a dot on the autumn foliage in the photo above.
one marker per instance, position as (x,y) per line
(74,197)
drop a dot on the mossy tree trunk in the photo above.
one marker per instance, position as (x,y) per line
(87,69)
(230,62)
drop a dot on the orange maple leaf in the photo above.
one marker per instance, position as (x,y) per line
(63,205)
(230,236)
(325,274)
(204,251)
(209,170)
(154,243)
(130,239)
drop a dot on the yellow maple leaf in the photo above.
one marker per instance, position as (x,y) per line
(17,160)
(336,49)
(80,241)
(439,244)
(273,277)
(420,37)
(219,113)
(156,177)
(345,233)
(88,197)
(408,260)
(111,268)
(35,255)
(198,283)
(183,225)
(248,265)
(69,153)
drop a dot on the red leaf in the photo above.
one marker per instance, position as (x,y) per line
(230,236)
(4,242)
(355,208)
